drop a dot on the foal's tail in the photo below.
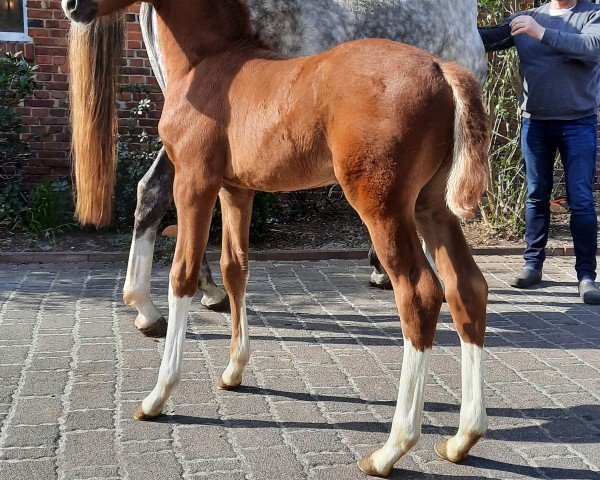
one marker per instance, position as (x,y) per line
(469,173)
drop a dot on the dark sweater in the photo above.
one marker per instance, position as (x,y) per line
(561,73)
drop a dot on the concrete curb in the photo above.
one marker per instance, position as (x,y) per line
(17,258)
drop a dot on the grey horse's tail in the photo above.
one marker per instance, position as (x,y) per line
(152,41)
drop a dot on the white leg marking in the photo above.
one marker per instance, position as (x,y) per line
(406,426)
(170,367)
(379,278)
(136,291)
(473,419)
(239,356)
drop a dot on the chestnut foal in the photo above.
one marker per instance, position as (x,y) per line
(403,133)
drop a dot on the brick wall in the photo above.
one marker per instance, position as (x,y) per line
(46,115)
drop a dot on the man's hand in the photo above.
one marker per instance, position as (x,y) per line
(527,25)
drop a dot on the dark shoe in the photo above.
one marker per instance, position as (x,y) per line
(589,292)
(526,278)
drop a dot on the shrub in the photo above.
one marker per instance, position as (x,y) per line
(135,156)
(49,210)
(504,210)
(263,209)
(136,151)
(16,84)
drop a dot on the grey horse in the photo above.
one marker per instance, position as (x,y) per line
(295,27)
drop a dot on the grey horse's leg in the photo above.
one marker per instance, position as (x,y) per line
(213,298)
(379,277)
(155,195)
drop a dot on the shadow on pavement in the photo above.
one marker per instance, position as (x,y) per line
(564,425)
(472,461)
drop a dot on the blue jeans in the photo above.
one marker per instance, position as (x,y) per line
(576,141)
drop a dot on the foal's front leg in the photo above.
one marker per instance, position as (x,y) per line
(195,200)
(236,208)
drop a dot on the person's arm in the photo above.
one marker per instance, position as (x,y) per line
(497,37)
(583,46)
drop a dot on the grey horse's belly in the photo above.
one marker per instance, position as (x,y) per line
(303,27)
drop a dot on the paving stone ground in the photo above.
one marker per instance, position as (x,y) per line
(319,391)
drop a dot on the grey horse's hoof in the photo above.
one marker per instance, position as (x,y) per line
(380,280)
(222,306)
(382,286)
(157,330)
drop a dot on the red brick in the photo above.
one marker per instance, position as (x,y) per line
(40,112)
(41,13)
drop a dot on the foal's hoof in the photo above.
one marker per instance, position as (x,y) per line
(441,448)
(221,385)
(367,467)
(140,415)
(222,306)
(157,330)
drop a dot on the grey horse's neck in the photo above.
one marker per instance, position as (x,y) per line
(303,27)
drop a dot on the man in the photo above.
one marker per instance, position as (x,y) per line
(559,52)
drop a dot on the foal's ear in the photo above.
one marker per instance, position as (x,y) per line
(170,231)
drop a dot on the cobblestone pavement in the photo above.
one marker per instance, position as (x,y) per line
(318,393)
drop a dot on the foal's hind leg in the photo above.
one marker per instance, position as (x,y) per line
(236,208)
(466,294)
(418,297)
(194,200)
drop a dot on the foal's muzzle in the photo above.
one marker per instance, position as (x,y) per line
(83,11)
